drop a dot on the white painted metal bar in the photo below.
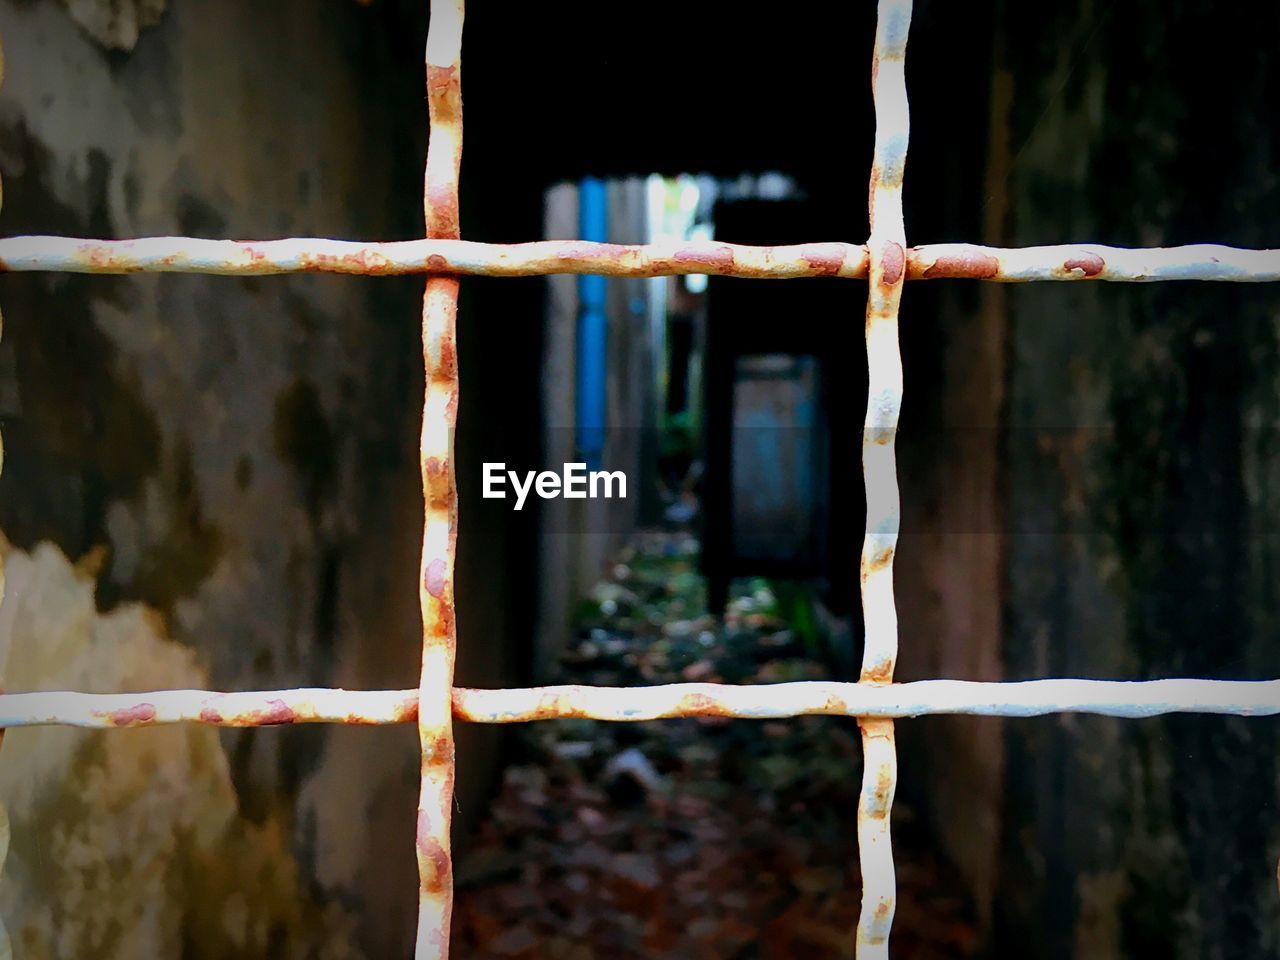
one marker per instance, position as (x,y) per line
(1133,699)
(1084,261)
(1029,698)
(1089,261)
(886,274)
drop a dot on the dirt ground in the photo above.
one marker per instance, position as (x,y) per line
(696,838)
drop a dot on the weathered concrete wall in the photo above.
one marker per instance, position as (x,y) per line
(134,844)
(1142,484)
(242,449)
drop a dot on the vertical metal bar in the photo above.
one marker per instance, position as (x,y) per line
(439,529)
(887,271)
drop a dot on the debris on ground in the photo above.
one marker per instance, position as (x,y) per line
(692,838)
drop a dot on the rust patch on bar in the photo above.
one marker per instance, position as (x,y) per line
(878,562)
(1089,264)
(879,674)
(587,251)
(446,368)
(718,260)
(127,717)
(210,715)
(436,577)
(101,258)
(444,209)
(894,261)
(437,482)
(432,851)
(440,751)
(974,266)
(446,618)
(276,714)
(440,80)
(826,259)
(884,781)
(367,262)
(699,705)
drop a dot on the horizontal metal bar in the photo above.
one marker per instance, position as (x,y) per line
(253,257)
(1030,698)
(250,709)
(1202,261)
(929,262)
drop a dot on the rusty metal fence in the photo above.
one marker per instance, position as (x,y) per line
(885,261)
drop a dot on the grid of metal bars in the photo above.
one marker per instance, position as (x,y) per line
(884,261)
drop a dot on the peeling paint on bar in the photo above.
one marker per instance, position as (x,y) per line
(252,257)
(1204,261)
(1028,698)
(886,274)
(1131,699)
(250,709)
(540,258)
(439,487)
